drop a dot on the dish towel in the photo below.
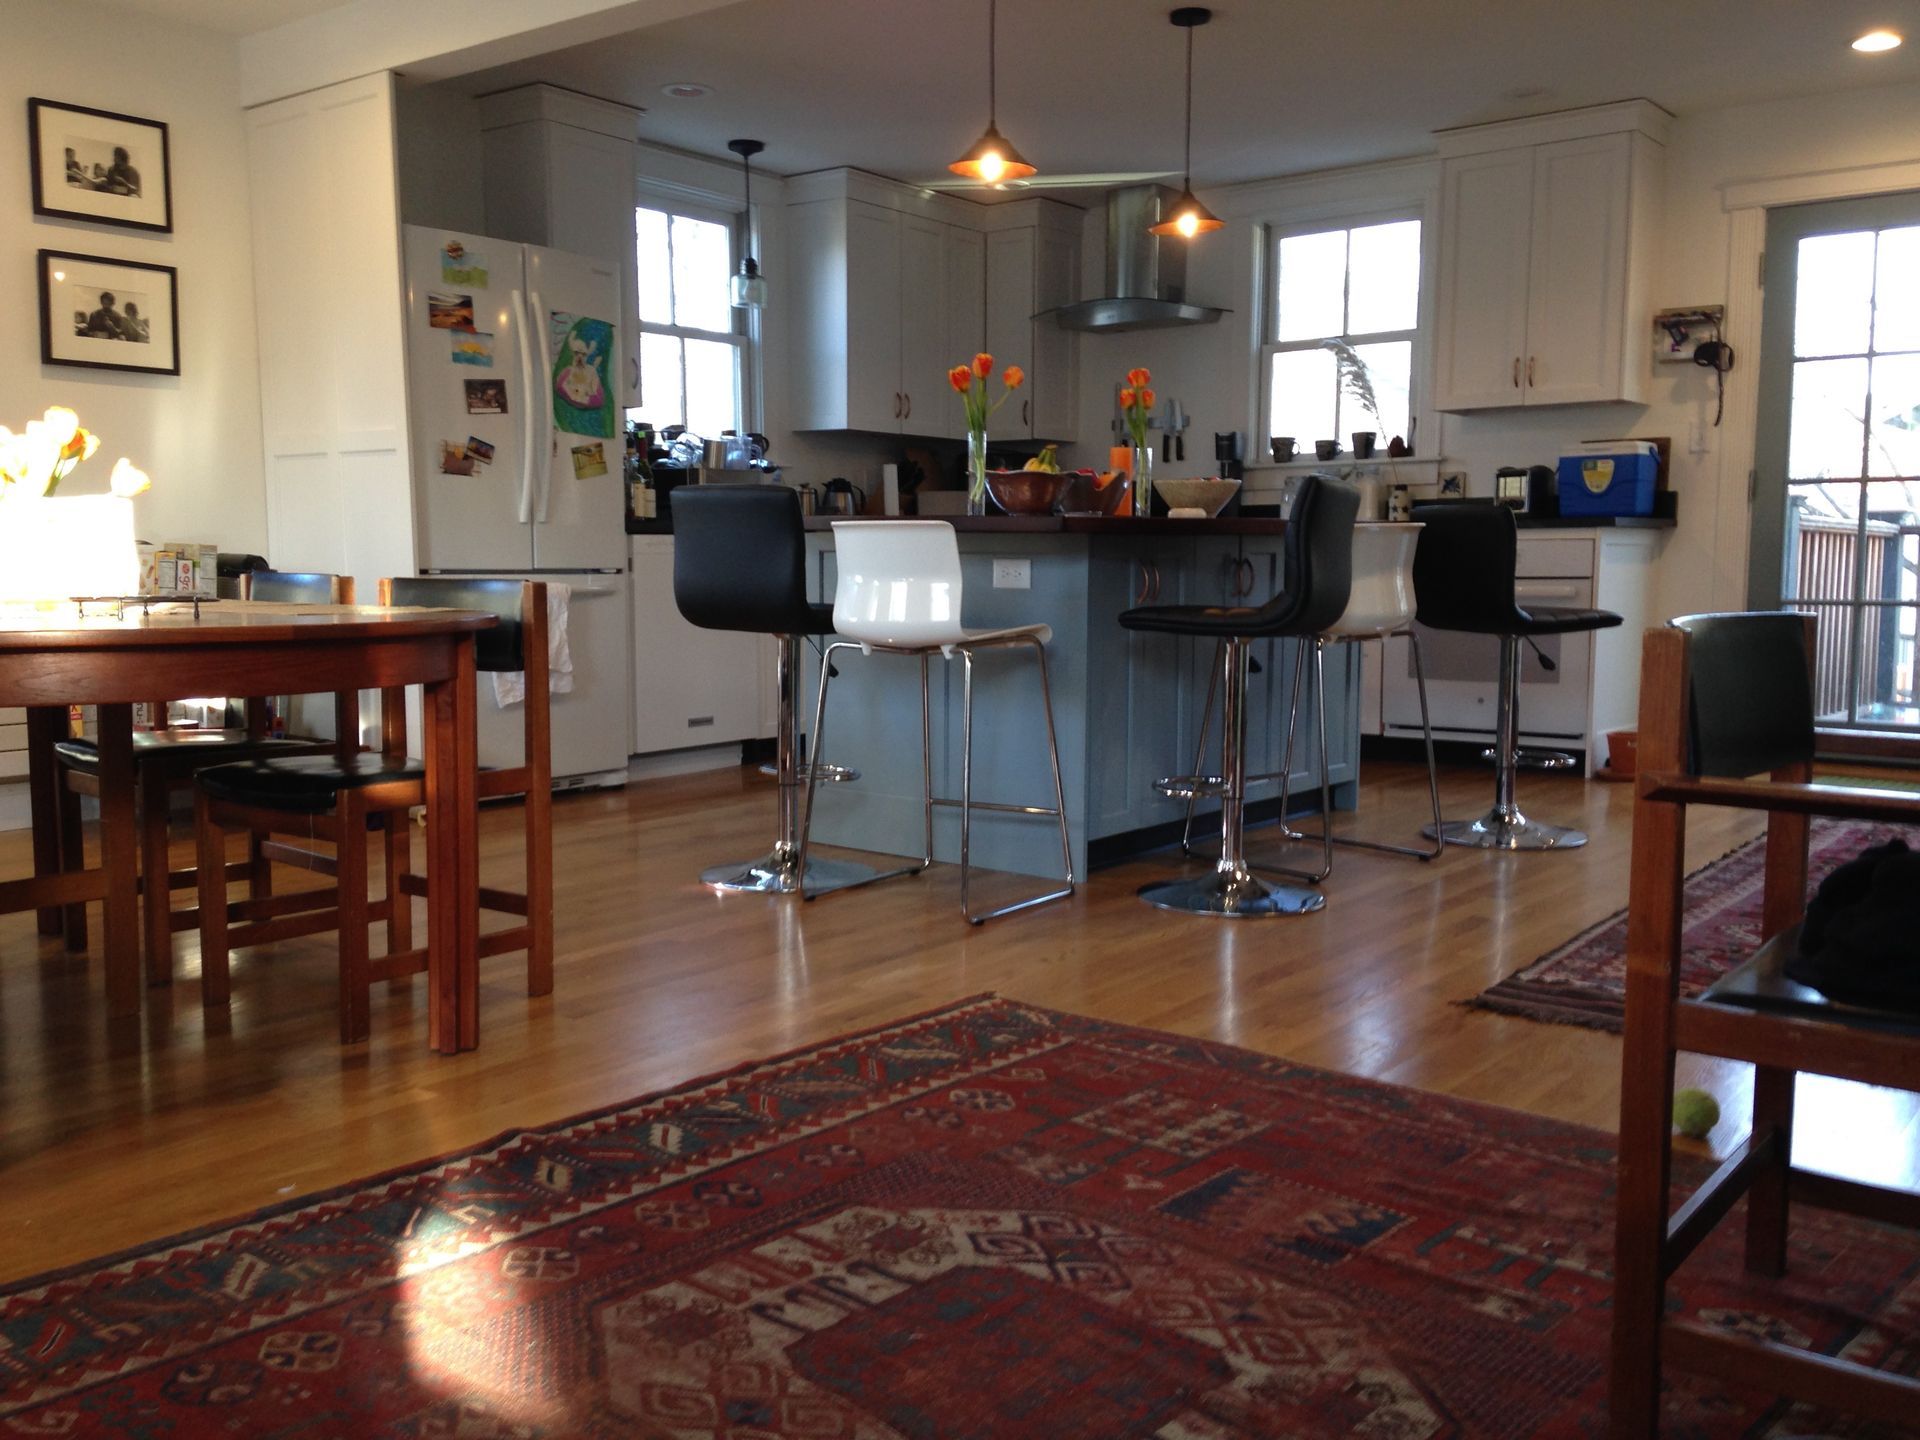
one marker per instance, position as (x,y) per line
(510,686)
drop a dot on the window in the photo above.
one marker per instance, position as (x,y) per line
(1360,286)
(693,345)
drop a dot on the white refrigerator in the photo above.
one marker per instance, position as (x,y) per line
(519,443)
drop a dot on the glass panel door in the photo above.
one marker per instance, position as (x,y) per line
(1836,530)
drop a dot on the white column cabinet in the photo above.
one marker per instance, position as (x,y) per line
(927,405)
(873,318)
(1546,251)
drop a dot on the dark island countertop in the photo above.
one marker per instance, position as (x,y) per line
(1113,525)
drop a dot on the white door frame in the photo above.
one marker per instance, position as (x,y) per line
(1746,203)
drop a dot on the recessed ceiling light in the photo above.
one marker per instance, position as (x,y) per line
(1874,41)
(686,90)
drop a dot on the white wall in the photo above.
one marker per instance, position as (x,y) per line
(198,433)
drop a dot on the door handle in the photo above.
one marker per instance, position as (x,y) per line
(633,363)
(896,404)
(909,414)
(1155,564)
(1144,590)
(1026,412)
(1516,372)
(1530,363)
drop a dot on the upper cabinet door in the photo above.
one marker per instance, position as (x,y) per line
(1487,207)
(1011,262)
(1056,377)
(966,322)
(922,311)
(1577,310)
(874,398)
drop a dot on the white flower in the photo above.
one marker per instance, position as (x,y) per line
(128,479)
(61,423)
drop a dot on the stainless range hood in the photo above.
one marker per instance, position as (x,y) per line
(1146,281)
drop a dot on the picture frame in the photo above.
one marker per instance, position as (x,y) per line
(99,313)
(100,165)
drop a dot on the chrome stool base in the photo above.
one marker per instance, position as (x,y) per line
(1232,895)
(779,874)
(1497,830)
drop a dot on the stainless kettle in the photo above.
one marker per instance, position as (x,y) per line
(842,497)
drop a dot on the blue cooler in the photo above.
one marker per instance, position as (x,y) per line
(1609,477)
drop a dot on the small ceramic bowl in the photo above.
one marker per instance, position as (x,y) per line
(1196,498)
(1025,492)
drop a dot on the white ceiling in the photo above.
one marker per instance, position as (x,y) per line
(1282,86)
(235,17)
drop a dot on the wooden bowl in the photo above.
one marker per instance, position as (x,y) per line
(1025,492)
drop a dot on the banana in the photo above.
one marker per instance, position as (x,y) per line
(1047,462)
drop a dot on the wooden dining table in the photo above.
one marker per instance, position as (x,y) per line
(113,658)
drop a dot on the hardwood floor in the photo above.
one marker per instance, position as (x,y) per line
(111,1137)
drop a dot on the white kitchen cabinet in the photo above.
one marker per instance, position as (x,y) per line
(1032,269)
(1546,249)
(892,287)
(691,686)
(881,296)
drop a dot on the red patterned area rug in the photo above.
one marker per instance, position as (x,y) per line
(1584,981)
(987,1223)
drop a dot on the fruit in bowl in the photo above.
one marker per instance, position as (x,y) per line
(1087,493)
(1196,499)
(1025,492)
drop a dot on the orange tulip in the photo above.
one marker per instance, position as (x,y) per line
(1014,376)
(1126,399)
(983,365)
(1146,399)
(1137,378)
(960,377)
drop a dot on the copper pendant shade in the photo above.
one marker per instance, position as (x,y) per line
(991,158)
(1189,217)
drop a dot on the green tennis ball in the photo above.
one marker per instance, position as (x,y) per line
(1695,1112)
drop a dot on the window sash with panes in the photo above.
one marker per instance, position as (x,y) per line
(1853,471)
(693,344)
(1356,283)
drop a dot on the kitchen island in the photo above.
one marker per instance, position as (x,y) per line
(1126,705)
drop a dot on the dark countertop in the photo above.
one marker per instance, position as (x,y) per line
(1111,525)
(1595,522)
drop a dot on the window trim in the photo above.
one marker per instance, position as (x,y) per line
(1320,222)
(744,335)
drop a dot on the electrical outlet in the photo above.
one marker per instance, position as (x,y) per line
(1013,574)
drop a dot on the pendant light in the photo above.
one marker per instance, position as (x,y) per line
(1189,217)
(992,159)
(748,289)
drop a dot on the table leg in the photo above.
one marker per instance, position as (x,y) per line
(45,725)
(119,848)
(453,858)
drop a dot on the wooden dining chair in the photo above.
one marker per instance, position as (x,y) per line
(282,801)
(1724,698)
(165,760)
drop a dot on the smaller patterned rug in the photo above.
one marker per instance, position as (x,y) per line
(1584,981)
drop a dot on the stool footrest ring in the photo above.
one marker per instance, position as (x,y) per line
(1534,759)
(1191,787)
(830,774)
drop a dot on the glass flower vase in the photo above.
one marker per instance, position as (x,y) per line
(976,472)
(1142,479)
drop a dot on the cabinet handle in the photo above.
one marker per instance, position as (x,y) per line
(1244,567)
(1144,590)
(1516,372)
(1026,412)
(896,404)
(909,414)
(1530,362)
(1156,579)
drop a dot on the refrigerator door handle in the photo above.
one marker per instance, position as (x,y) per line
(540,402)
(526,409)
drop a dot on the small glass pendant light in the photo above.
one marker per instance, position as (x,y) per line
(1188,217)
(991,157)
(748,288)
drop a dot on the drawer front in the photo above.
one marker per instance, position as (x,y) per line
(1550,558)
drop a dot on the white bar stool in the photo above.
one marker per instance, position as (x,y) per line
(899,594)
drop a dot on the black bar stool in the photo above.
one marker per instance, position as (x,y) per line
(740,563)
(1463,574)
(1318,556)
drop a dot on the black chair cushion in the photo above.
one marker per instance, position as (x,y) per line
(308,784)
(1561,620)
(1750,692)
(153,744)
(1318,581)
(740,561)
(503,647)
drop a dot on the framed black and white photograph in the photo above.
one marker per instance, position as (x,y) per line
(99,165)
(109,314)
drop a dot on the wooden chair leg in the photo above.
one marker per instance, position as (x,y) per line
(210,843)
(399,837)
(1767,1198)
(539,840)
(156,903)
(351,893)
(259,869)
(73,856)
